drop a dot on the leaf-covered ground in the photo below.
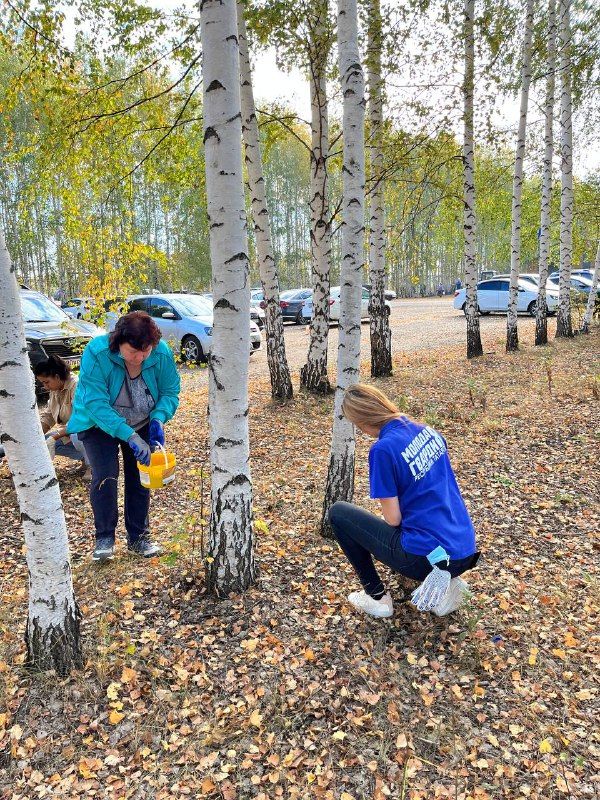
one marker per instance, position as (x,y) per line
(286,692)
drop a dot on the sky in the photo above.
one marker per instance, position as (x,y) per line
(291,89)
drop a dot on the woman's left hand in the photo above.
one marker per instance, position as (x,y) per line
(156,433)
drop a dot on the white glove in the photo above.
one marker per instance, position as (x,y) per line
(432,591)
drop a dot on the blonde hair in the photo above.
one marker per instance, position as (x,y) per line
(366,405)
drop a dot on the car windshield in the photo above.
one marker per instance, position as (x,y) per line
(191,306)
(289,293)
(37,308)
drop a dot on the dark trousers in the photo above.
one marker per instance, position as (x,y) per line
(103,453)
(363,535)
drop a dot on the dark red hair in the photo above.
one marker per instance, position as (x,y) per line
(136,329)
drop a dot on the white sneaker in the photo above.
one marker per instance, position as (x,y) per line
(458,592)
(376,608)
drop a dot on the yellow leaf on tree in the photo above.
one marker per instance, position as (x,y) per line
(545,746)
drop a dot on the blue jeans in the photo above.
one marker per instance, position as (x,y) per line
(103,454)
(363,535)
(74,449)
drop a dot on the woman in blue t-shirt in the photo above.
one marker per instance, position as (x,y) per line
(427,534)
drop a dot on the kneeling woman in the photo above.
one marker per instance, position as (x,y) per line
(426,533)
(128,388)
(60,383)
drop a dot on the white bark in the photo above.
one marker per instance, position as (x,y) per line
(313,375)
(474,347)
(541,325)
(52,634)
(381,339)
(340,476)
(281,383)
(592,299)
(512,335)
(563,322)
(231,565)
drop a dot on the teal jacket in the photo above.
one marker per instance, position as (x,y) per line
(101,378)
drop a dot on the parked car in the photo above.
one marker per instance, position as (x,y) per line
(291,304)
(334,304)
(578,284)
(51,332)
(388,294)
(257,314)
(492,295)
(77,307)
(185,321)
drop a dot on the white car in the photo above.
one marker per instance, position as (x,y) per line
(78,307)
(334,306)
(492,295)
(185,321)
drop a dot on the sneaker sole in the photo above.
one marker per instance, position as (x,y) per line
(103,557)
(144,555)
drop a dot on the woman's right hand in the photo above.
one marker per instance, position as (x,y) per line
(141,449)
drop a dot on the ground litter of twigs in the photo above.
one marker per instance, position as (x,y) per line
(286,692)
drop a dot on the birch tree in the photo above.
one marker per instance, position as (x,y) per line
(340,475)
(281,383)
(541,314)
(474,347)
(592,297)
(313,375)
(381,339)
(563,322)
(52,633)
(231,566)
(512,334)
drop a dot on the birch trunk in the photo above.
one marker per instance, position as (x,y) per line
(512,333)
(281,383)
(52,634)
(381,338)
(313,375)
(541,315)
(563,322)
(340,475)
(474,347)
(592,299)
(230,566)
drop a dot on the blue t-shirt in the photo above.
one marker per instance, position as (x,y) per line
(410,461)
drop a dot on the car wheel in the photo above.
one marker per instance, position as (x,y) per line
(464,309)
(191,350)
(531,308)
(387,311)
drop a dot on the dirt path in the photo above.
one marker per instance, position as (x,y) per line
(417,324)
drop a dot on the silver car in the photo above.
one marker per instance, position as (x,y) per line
(185,321)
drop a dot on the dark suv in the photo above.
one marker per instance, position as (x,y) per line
(49,331)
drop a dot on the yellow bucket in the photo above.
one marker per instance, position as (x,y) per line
(160,472)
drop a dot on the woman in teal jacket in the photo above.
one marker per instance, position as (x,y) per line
(128,389)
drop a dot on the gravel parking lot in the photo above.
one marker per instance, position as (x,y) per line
(417,324)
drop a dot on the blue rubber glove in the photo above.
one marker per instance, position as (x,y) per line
(141,449)
(156,433)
